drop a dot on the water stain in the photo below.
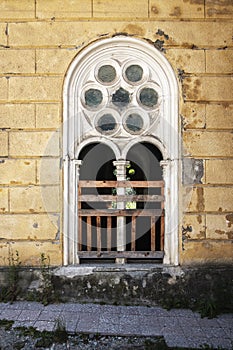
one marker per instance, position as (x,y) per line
(200,199)
(154,10)
(134,29)
(176,12)
(229,234)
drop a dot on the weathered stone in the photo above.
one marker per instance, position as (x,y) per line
(120,8)
(54,60)
(17,61)
(65,33)
(219,9)
(204,144)
(219,171)
(219,116)
(17,9)
(3,37)
(32,255)
(193,115)
(35,88)
(211,199)
(29,227)
(48,116)
(3,88)
(34,199)
(219,61)
(3,144)
(3,200)
(193,227)
(177,9)
(63,9)
(208,89)
(17,116)
(193,171)
(34,144)
(48,171)
(219,226)
(188,60)
(206,251)
(180,287)
(17,172)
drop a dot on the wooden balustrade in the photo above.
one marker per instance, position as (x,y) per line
(98,218)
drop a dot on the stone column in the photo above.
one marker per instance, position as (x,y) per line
(121,166)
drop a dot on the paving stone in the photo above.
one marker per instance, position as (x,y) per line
(216,343)
(181,328)
(49,315)
(196,342)
(208,323)
(70,319)
(215,332)
(158,311)
(88,323)
(74,307)
(176,341)
(168,321)
(10,314)
(54,307)
(193,331)
(29,315)
(188,322)
(44,326)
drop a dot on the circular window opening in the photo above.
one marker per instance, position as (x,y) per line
(134,123)
(134,73)
(93,98)
(106,73)
(106,124)
(148,97)
(121,98)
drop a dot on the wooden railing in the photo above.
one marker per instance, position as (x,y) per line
(98,217)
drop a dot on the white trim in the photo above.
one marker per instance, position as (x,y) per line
(164,135)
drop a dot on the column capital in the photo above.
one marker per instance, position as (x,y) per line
(121,162)
(164,163)
(121,166)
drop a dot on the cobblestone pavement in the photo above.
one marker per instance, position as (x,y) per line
(180,328)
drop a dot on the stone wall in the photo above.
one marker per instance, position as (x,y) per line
(38,40)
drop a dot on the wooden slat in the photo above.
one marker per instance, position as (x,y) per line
(98,231)
(153,233)
(153,213)
(125,254)
(129,184)
(117,212)
(120,198)
(89,233)
(109,233)
(133,234)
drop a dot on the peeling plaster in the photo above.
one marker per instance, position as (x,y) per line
(193,171)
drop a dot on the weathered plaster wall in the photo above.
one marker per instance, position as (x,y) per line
(39,39)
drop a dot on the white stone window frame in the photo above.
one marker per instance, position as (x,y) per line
(166,137)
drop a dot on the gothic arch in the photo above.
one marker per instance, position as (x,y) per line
(161,127)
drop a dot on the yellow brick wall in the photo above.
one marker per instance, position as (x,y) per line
(38,40)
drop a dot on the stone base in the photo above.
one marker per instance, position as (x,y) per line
(206,288)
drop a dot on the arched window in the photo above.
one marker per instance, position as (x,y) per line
(121,92)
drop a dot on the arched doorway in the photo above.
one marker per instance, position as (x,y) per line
(121,92)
